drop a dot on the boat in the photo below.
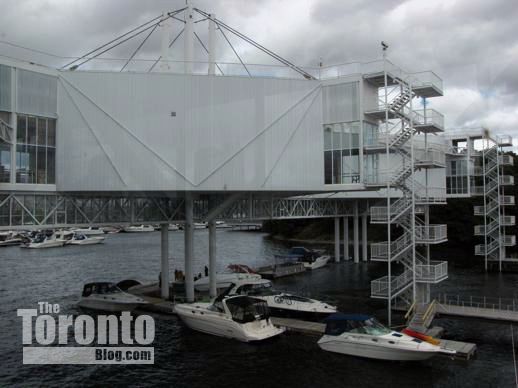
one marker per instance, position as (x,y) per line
(222,225)
(363,336)
(242,318)
(106,296)
(282,304)
(284,265)
(200,225)
(173,227)
(9,239)
(90,231)
(43,241)
(81,239)
(311,259)
(138,229)
(224,280)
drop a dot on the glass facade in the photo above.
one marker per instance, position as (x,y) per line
(5,153)
(342,153)
(457,177)
(35,150)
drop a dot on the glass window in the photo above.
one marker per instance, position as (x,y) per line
(51,132)
(51,166)
(342,164)
(41,167)
(31,130)
(42,132)
(328,167)
(5,162)
(21,131)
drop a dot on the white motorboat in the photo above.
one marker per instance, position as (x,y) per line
(81,239)
(91,231)
(43,241)
(311,259)
(235,274)
(200,225)
(239,317)
(173,227)
(139,229)
(107,296)
(9,239)
(283,304)
(222,225)
(363,336)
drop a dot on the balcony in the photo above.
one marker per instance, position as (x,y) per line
(504,141)
(430,195)
(427,84)
(435,272)
(507,200)
(428,121)
(505,160)
(398,284)
(508,220)
(506,180)
(510,241)
(379,251)
(480,249)
(431,234)
(481,230)
(430,158)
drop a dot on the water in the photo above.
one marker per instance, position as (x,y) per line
(184,358)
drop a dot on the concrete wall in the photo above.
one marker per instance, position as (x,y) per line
(116,131)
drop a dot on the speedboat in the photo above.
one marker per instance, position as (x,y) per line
(107,296)
(200,225)
(235,274)
(311,259)
(239,317)
(43,241)
(282,304)
(91,231)
(81,239)
(173,227)
(138,229)
(222,225)
(363,336)
(9,239)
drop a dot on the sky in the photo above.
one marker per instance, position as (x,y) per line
(471,44)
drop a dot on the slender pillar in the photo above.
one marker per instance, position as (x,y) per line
(337,239)
(212,45)
(356,234)
(346,238)
(212,259)
(189,235)
(364,237)
(164,262)
(189,39)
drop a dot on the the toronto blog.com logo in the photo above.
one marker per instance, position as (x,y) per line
(52,338)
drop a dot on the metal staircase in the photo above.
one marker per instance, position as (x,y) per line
(407,267)
(492,211)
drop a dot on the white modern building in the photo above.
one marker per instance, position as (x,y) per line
(86,145)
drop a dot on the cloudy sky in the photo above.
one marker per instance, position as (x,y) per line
(471,44)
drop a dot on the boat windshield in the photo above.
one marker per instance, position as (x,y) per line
(263,289)
(368,325)
(100,288)
(245,309)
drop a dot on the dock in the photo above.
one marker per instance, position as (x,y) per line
(305,327)
(465,350)
(279,271)
(246,226)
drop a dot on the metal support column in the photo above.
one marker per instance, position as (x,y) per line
(346,238)
(337,239)
(212,259)
(364,237)
(164,262)
(356,234)
(189,236)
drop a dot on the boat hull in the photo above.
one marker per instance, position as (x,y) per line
(46,244)
(318,263)
(337,344)
(223,280)
(220,325)
(88,241)
(109,306)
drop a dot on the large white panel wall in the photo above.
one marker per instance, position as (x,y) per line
(37,93)
(116,131)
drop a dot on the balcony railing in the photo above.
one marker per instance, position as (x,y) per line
(480,249)
(477,190)
(380,287)
(508,220)
(428,78)
(480,230)
(507,200)
(431,233)
(510,241)
(430,157)
(479,210)
(506,160)
(428,117)
(506,180)
(504,140)
(435,272)
(379,251)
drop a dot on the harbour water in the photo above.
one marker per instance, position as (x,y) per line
(184,358)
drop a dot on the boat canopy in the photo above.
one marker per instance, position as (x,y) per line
(245,309)
(339,323)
